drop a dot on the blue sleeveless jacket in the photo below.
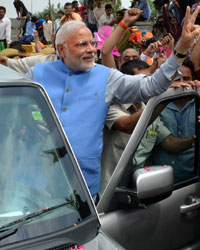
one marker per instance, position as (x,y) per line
(79,100)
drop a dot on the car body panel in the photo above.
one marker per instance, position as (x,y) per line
(157,224)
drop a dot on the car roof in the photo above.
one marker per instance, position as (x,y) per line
(7,74)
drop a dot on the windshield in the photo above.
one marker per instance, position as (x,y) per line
(37,169)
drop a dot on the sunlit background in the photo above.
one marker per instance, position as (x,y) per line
(39,5)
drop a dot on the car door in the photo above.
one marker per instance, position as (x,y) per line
(45,202)
(162,219)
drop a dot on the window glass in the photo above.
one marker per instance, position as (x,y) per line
(170,139)
(37,169)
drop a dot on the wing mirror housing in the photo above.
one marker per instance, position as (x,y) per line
(152,183)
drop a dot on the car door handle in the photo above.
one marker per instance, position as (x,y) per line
(195,204)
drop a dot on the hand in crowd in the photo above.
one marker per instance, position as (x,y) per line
(168,41)
(190,31)
(152,48)
(180,84)
(195,85)
(36,36)
(131,16)
(159,59)
(4,60)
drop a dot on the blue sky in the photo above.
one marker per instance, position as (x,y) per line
(39,5)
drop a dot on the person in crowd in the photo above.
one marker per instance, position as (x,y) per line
(172,25)
(84,90)
(47,29)
(120,123)
(159,28)
(27,35)
(69,14)
(60,14)
(179,118)
(78,9)
(39,27)
(107,18)
(99,10)
(90,26)
(20,9)
(158,6)
(119,16)
(89,6)
(5,28)
(144,6)
(176,11)
(195,58)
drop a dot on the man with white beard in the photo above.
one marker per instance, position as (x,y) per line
(82,91)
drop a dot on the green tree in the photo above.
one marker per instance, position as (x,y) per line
(41,14)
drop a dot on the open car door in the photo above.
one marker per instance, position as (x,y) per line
(152,200)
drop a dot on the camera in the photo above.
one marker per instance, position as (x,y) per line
(147,42)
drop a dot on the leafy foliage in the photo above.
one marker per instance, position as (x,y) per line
(41,14)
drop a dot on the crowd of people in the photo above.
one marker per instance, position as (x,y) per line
(94,82)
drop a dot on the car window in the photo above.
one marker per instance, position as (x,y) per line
(37,168)
(170,139)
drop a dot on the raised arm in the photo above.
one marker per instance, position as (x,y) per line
(195,56)
(130,17)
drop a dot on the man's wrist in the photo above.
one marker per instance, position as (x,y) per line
(179,55)
(180,48)
(123,24)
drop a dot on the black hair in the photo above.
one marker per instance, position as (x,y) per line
(3,8)
(67,4)
(108,6)
(15,45)
(127,67)
(189,64)
(34,19)
(61,12)
(120,12)
(74,2)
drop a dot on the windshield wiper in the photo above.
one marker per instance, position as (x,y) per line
(22,220)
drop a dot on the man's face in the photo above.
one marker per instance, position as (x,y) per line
(129,54)
(68,10)
(60,15)
(98,3)
(75,5)
(47,17)
(173,21)
(119,17)
(186,74)
(2,14)
(76,56)
(108,11)
(85,17)
(91,5)
(28,16)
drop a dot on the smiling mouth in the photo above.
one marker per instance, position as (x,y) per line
(89,58)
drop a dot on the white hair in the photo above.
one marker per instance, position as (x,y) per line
(67,30)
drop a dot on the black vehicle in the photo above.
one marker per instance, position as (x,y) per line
(45,203)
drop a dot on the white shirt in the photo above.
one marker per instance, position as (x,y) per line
(105,19)
(47,29)
(5,29)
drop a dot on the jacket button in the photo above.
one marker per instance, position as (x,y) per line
(64,108)
(67,90)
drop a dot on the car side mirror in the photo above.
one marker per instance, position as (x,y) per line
(152,182)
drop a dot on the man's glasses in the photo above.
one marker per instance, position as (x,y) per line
(84,44)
